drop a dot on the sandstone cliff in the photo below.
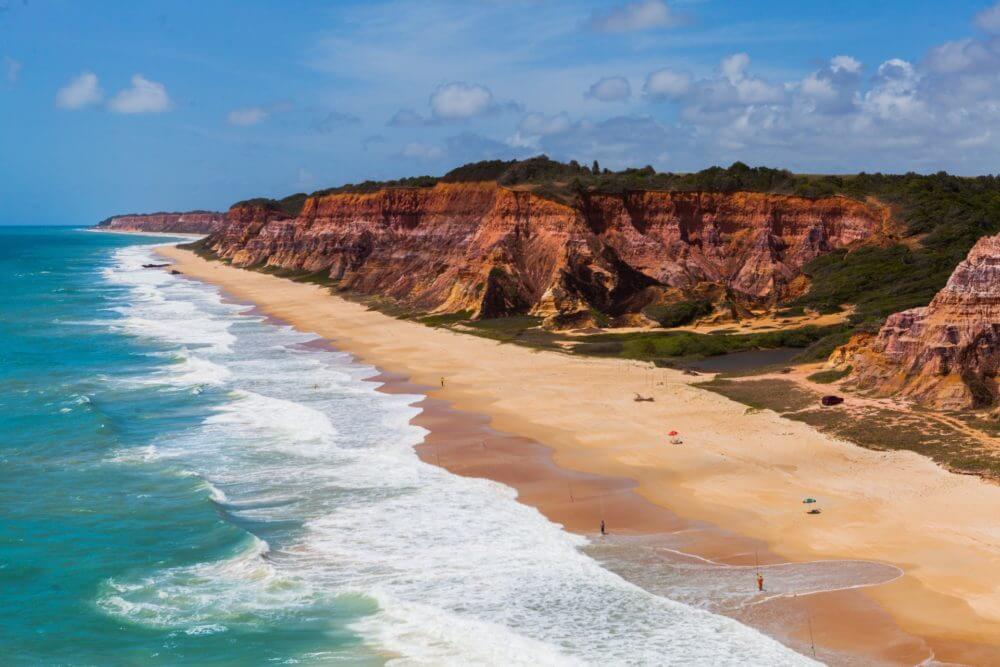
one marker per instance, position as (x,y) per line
(945,355)
(494,251)
(193,222)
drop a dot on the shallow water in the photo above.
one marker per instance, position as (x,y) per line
(185,482)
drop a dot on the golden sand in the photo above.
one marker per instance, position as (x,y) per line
(746,474)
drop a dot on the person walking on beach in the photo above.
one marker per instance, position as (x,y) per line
(442,382)
(760,581)
(602,527)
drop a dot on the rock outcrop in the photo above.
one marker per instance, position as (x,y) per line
(945,355)
(192,222)
(493,251)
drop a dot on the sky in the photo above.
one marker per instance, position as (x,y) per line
(113,107)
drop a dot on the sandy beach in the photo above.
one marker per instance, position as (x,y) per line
(566,433)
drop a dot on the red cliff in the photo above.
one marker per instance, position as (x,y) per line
(496,251)
(945,355)
(193,222)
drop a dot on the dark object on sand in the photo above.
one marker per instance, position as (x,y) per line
(175,272)
(808,501)
(639,398)
(814,511)
(688,371)
(785,371)
(154,266)
(831,400)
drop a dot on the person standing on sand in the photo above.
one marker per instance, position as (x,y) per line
(760,581)
(602,527)
(442,382)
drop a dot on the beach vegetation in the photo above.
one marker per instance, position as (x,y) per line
(830,376)
(680,313)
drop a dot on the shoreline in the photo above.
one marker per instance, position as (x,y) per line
(720,476)
(180,235)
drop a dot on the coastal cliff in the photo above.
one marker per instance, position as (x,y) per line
(945,355)
(491,251)
(192,222)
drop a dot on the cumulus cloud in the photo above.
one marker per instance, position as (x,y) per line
(144,96)
(454,102)
(247,116)
(989,19)
(894,95)
(11,69)
(632,16)
(845,64)
(610,89)
(458,101)
(666,84)
(82,91)
(832,89)
(536,125)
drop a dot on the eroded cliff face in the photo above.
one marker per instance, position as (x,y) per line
(194,222)
(492,251)
(945,355)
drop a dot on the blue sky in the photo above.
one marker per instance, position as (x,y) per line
(109,107)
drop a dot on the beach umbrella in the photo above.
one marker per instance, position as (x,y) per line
(673,433)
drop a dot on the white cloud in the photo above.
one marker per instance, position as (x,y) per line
(666,84)
(11,69)
(536,125)
(632,16)
(247,117)
(451,102)
(894,95)
(610,89)
(832,89)
(989,19)
(734,67)
(845,64)
(144,96)
(458,101)
(80,92)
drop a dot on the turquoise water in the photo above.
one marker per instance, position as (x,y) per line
(184,482)
(75,518)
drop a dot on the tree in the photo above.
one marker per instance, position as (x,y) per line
(596,169)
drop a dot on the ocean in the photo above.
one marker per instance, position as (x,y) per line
(185,482)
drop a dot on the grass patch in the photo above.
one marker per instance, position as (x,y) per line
(678,314)
(873,428)
(444,319)
(687,344)
(831,376)
(201,248)
(782,396)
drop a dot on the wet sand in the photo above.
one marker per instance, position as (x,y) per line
(601,459)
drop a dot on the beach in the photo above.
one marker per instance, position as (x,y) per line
(566,433)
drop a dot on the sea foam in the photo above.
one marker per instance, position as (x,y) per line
(303,449)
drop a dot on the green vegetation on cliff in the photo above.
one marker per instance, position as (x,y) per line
(938,217)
